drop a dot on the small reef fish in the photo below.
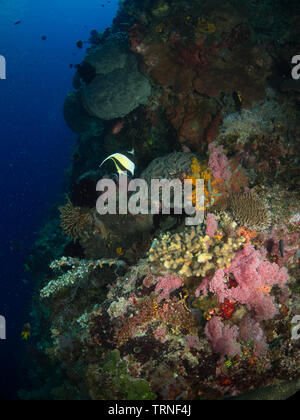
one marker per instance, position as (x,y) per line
(43,37)
(26,331)
(17,22)
(237,97)
(117,128)
(186,149)
(124,162)
(79,44)
(120,251)
(281,248)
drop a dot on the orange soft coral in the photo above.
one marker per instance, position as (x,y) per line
(201,171)
(246,233)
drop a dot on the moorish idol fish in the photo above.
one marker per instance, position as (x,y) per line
(124,162)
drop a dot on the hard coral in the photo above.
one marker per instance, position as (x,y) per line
(77,273)
(117,86)
(249,210)
(171,166)
(191,254)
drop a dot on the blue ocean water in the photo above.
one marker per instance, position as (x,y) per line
(35,143)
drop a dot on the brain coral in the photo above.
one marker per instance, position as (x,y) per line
(118,87)
(248,210)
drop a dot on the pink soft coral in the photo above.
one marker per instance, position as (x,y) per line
(253,277)
(165,285)
(222,338)
(211,224)
(251,331)
(218,162)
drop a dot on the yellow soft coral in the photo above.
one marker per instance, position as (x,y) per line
(201,171)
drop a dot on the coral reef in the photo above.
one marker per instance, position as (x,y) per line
(141,306)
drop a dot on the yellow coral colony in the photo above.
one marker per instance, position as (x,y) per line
(191,254)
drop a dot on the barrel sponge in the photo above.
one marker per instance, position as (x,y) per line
(116,94)
(118,87)
(108,57)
